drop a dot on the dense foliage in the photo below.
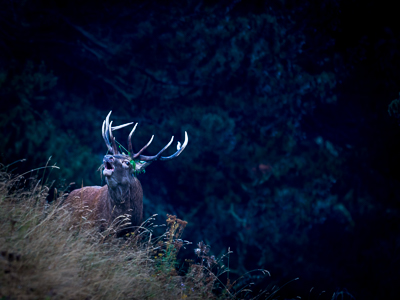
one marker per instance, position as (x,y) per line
(264,173)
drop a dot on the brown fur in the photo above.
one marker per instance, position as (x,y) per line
(104,208)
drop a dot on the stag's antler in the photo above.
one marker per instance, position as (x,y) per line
(107,134)
(130,148)
(112,146)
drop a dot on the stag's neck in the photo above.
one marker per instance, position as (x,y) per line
(127,199)
(120,195)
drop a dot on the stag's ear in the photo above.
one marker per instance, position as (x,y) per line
(140,166)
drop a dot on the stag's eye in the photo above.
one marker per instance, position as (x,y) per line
(127,163)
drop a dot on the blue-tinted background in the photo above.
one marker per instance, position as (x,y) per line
(293,159)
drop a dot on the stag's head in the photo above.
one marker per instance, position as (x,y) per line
(119,168)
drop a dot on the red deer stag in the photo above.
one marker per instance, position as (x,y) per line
(123,193)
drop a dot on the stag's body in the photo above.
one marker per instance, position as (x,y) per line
(100,201)
(123,194)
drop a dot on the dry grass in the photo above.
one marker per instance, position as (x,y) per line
(49,252)
(46,254)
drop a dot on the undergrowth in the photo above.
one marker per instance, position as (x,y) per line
(46,253)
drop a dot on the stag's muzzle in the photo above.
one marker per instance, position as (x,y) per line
(108,162)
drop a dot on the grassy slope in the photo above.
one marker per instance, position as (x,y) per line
(47,254)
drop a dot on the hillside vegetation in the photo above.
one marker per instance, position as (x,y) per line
(49,253)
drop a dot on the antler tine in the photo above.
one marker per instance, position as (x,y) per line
(106,129)
(130,149)
(152,158)
(180,149)
(108,120)
(144,148)
(104,134)
(114,145)
(121,126)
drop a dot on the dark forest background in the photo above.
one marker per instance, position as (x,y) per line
(293,159)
